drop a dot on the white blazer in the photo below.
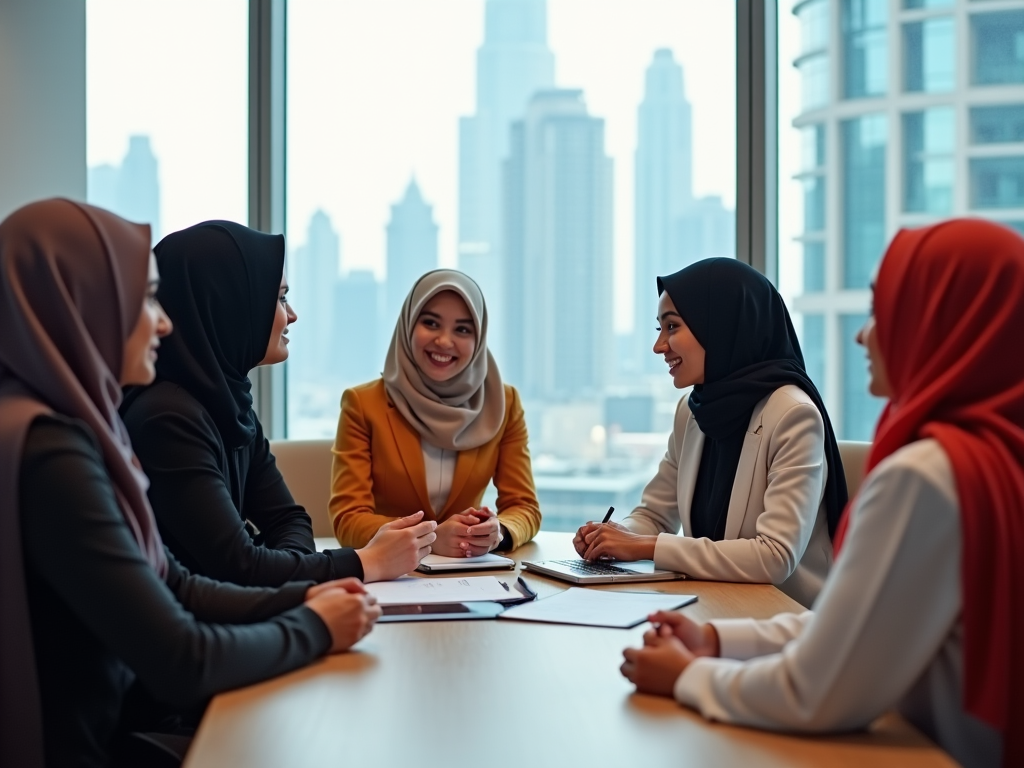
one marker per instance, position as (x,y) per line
(776,530)
(886,632)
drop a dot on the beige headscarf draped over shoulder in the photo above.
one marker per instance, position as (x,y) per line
(467,410)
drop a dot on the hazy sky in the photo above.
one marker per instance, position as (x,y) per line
(376,88)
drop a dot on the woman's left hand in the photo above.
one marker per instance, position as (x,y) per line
(612,541)
(469,533)
(656,667)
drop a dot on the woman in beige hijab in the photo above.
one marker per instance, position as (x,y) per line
(434,430)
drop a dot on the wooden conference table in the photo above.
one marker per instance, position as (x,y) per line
(504,693)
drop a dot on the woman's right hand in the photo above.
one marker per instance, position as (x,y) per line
(397,548)
(471,532)
(346,609)
(700,639)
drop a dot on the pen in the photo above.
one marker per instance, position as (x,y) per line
(608,515)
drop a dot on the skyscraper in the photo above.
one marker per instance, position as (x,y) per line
(360,335)
(558,250)
(513,63)
(412,247)
(131,190)
(663,190)
(313,272)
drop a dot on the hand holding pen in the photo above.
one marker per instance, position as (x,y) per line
(612,541)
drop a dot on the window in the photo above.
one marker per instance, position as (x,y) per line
(860,409)
(865,47)
(997,182)
(562,152)
(998,51)
(928,151)
(864,188)
(167,135)
(930,58)
(997,125)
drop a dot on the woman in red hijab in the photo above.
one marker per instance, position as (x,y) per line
(924,609)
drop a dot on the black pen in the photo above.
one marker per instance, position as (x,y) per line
(608,515)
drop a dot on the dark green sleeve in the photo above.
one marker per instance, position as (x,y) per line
(185,638)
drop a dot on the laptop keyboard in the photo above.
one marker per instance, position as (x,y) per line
(584,568)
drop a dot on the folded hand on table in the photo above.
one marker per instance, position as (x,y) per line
(470,533)
(346,609)
(656,667)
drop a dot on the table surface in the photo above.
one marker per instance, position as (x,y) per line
(505,693)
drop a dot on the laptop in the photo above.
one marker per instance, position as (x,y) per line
(584,572)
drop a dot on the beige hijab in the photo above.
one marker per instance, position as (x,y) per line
(467,410)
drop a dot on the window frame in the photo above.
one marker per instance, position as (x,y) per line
(756,153)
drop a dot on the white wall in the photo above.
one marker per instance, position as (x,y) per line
(42,101)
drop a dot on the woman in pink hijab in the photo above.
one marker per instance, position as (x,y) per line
(91,601)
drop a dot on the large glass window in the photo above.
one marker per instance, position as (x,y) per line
(864,187)
(166,133)
(860,410)
(1002,124)
(998,50)
(813,60)
(865,47)
(562,152)
(929,55)
(928,161)
(997,182)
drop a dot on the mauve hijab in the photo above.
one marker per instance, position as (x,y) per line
(219,283)
(72,283)
(751,350)
(467,410)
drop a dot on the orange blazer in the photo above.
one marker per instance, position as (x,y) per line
(379,475)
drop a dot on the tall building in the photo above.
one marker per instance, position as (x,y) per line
(312,275)
(360,333)
(663,190)
(941,135)
(673,229)
(131,190)
(412,247)
(513,63)
(558,250)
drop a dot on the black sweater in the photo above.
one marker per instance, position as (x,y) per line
(102,616)
(203,493)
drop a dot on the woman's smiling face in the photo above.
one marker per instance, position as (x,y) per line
(444,337)
(683,353)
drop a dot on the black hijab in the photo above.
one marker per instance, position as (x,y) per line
(751,350)
(219,284)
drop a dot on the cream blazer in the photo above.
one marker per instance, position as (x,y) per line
(776,530)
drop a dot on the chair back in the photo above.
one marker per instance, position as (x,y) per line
(854,455)
(306,467)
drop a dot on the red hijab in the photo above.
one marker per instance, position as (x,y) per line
(949,308)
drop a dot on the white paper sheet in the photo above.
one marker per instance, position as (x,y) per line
(409,591)
(488,560)
(597,608)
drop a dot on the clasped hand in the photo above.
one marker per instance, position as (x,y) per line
(611,541)
(470,533)
(669,646)
(346,609)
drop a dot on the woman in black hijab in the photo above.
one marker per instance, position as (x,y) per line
(212,476)
(752,472)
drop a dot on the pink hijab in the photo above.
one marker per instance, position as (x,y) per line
(72,283)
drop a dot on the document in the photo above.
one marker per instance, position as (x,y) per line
(470,589)
(432,563)
(597,607)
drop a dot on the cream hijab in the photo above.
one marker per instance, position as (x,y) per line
(467,410)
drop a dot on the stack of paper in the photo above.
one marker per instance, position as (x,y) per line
(412,591)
